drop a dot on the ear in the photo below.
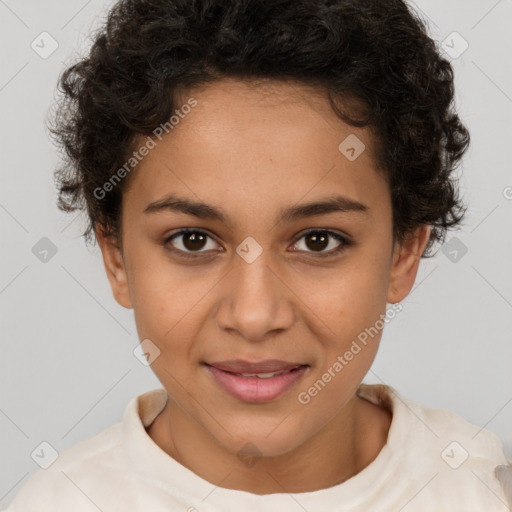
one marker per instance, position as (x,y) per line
(406,260)
(113,260)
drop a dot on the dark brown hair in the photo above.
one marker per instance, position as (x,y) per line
(376,51)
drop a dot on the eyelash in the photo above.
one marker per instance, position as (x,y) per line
(345,242)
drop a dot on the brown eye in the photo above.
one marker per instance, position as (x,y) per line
(317,241)
(189,241)
(194,241)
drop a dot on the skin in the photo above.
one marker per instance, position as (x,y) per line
(252,150)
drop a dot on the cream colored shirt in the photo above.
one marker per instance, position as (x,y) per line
(433,461)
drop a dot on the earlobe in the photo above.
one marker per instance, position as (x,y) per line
(115,267)
(406,260)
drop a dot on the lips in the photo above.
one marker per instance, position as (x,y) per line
(239,366)
(263,381)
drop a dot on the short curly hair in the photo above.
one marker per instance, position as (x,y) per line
(376,51)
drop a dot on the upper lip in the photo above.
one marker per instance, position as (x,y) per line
(266,366)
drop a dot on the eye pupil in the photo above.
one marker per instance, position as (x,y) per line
(194,241)
(317,241)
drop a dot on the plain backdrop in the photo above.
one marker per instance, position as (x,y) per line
(67,368)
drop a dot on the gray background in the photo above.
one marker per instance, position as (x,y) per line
(67,369)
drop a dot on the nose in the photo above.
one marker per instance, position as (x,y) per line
(256,302)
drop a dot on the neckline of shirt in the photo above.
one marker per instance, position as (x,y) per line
(158,468)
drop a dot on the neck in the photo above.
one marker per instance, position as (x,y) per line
(350,441)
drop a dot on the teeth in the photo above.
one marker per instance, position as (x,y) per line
(261,375)
(266,375)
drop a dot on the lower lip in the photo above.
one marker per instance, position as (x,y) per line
(254,389)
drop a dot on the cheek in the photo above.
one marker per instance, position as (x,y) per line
(168,304)
(350,298)
(158,298)
(349,308)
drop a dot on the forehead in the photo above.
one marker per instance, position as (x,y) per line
(262,105)
(257,142)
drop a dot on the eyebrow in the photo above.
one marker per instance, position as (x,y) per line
(292,213)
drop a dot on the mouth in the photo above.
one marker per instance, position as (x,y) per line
(256,382)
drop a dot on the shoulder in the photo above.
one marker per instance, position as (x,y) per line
(435,426)
(67,479)
(448,460)
(99,472)
(462,443)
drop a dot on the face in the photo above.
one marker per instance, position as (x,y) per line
(262,274)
